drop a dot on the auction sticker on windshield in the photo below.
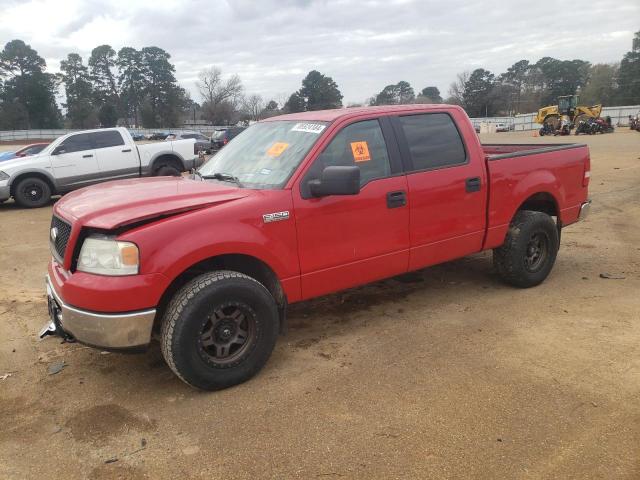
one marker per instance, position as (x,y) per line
(277,149)
(308,127)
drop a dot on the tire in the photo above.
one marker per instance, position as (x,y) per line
(201,335)
(527,256)
(32,192)
(167,171)
(542,132)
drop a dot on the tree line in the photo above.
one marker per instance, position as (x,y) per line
(138,88)
(527,86)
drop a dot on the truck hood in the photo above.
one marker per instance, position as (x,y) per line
(8,166)
(119,203)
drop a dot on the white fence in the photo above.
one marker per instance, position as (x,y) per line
(526,121)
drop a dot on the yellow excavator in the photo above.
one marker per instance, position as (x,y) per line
(560,119)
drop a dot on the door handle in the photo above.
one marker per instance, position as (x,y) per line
(87,156)
(126,150)
(472,184)
(396,199)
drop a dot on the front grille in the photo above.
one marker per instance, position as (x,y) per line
(59,237)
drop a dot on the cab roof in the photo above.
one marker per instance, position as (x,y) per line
(340,113)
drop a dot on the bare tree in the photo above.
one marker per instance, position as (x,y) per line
(218,92)
(253,107)
(456,89)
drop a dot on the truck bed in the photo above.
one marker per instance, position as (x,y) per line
(556,173)
(496,151)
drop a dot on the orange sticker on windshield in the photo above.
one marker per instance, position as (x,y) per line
(277,149)
(360,151)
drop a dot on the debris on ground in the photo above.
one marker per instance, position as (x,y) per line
(612,276)
(4,376)
(56,367)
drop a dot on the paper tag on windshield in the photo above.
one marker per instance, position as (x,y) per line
(308,127)
(277,149)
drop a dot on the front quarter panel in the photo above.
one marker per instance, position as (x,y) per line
(172,245)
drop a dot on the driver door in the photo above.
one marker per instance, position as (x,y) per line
(74,162)
(349,240)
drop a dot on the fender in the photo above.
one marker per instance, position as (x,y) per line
(501,213)
(541,181)
(150,166)
(173,245)
(39,171)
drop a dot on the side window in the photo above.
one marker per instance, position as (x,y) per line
(111,138)
(361,144)
(187,136)
(433,140)
(76,143)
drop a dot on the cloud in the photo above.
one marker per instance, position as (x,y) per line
(364,45)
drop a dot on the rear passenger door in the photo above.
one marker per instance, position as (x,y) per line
(115,158)
(447,189)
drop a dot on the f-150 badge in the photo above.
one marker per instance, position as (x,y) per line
(275,217)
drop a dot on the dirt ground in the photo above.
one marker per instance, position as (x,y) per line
(446,373)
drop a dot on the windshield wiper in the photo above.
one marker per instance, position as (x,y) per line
(195,172)
(225,177)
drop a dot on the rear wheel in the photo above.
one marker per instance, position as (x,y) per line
(219,330)
(32,192)
(529,251)
(167,171)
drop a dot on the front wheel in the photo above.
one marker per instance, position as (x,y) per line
(529,251)
(219,330)
(32,192)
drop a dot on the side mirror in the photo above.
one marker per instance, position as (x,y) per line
(58,150)
(337,180)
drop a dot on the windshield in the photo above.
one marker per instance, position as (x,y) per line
(266,154)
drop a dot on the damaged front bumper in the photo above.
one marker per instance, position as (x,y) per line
(104,330)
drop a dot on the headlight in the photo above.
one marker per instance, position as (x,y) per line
(105,256)
(3,176)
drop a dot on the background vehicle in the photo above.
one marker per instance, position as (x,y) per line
(8,155)
(158,136)
(502,127)
(560,119)
(137,136)
(299,206)
(25,151)
(222,136)
(203,143)
(87,157)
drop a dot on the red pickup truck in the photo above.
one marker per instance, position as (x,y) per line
(295,207)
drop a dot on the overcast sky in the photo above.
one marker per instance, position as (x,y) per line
(363,45)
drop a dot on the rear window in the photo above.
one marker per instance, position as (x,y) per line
(111,138)
(433,141)
(218,134)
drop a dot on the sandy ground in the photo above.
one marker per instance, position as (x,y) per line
(446,373)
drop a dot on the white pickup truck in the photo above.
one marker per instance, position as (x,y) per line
(87,157)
